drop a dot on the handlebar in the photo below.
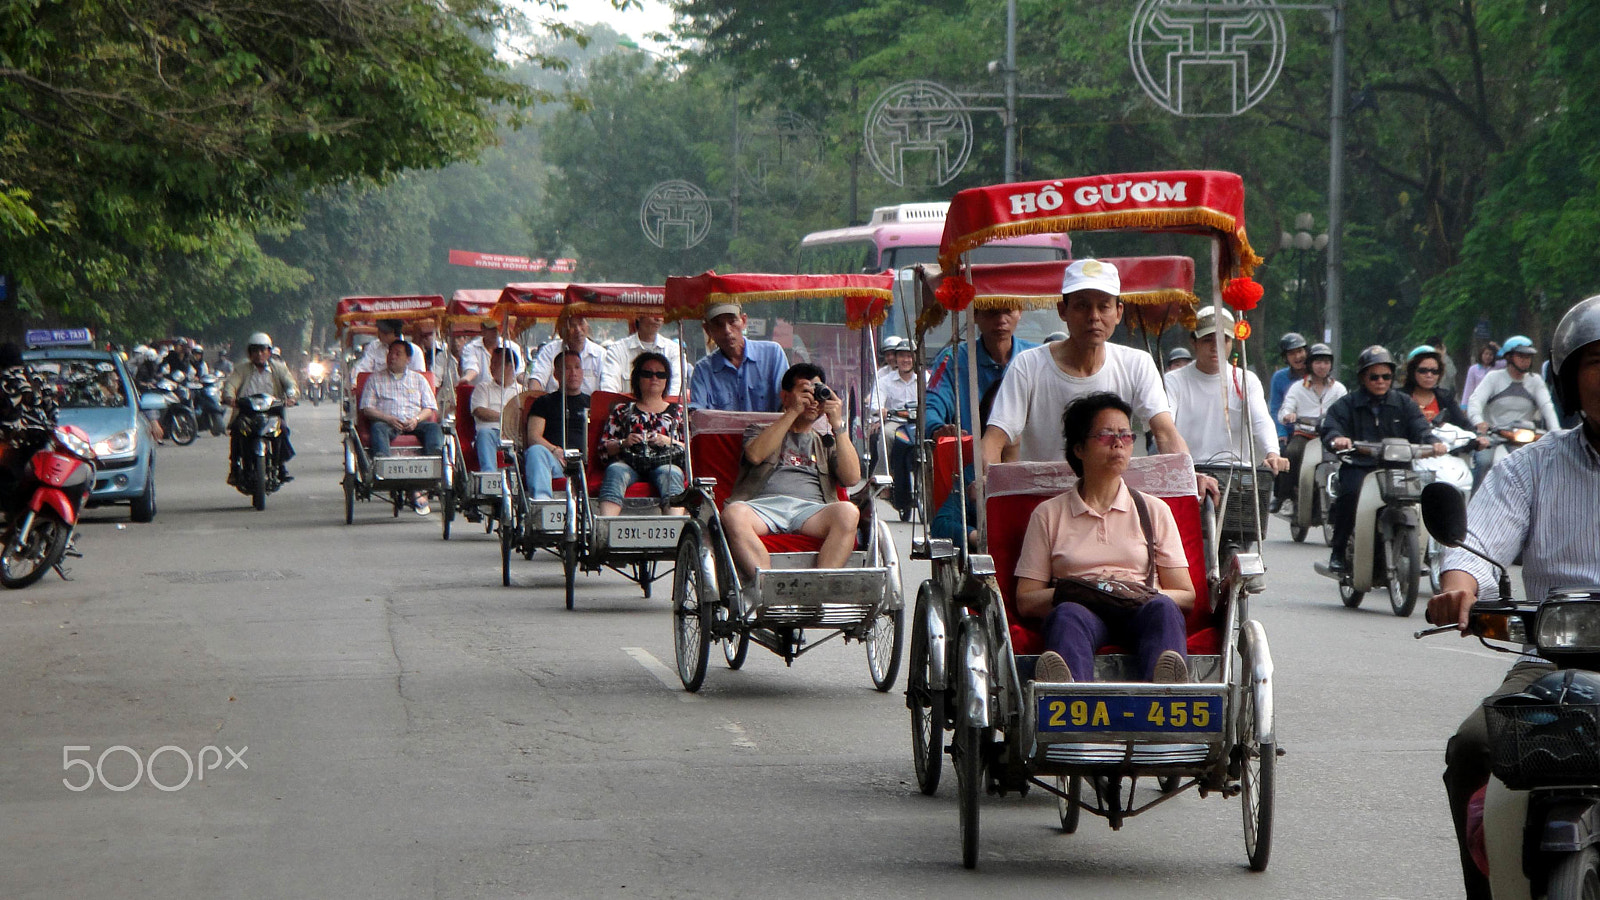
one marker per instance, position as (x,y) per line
(1388,451)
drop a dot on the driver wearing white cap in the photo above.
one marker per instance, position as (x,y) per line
(1026,420)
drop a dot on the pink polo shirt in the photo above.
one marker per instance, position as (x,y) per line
(1066,537)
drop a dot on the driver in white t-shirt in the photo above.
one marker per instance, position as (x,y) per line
(1026,420)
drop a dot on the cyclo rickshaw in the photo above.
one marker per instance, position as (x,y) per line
(633,543)
(972,657)
(478,495)
(860,601)
(526,524)
(405,469)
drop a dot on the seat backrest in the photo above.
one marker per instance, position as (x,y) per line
(944,465)
(716,444)
(601,403)
(466,424)
(1015,489)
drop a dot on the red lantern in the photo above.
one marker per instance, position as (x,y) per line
(955,293)
(1242,294)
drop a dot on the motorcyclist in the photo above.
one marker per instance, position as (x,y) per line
(1177,358)
(1538,504)
(264,374)
(1297,365)
(898,391)
(1371,412)
(27,417)
(1509,396)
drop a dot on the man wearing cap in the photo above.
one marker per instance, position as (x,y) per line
(1026,420)
(1196,393)
(741,375)
(646,338)
(476,353)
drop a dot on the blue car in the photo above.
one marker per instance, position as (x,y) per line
(96,393)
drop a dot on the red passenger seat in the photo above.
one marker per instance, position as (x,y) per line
(944,465)
(1015,489)
(364,425)
(716,443)
(467,425)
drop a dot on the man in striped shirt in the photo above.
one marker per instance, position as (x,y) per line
(1539,502)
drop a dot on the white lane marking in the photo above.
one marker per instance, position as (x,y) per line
(1486,654)
(741,738)
(667,677)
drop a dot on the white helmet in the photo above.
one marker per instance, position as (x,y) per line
(259,339)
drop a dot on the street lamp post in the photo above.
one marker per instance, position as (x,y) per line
(1305,246)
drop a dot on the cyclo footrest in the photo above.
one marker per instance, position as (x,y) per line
(819,597)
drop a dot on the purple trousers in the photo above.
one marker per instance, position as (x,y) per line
(1074,632)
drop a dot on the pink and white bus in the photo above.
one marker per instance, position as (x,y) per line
(900,236)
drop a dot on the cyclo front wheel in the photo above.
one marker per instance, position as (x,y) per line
(927,706)
(884,642)
(968,761)
(690,603)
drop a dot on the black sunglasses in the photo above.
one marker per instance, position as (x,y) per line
(652,373)
(1380,376)
(1427,371)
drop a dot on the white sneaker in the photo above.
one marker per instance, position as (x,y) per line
(1170,669)
(1052,669)
(421,505)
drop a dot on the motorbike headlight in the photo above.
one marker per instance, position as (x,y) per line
(1523,435)
(1397,452)
(119,444)
(317,370)
(1569,622)
(75,445)
(259,402)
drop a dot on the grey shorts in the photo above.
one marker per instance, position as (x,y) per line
(784,515)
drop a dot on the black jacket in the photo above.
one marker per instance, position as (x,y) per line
(1450,411)
(1360,416)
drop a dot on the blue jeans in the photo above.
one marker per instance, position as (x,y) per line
(1074,632)
(487,442)
(539,471)
(427,432)
(668,481)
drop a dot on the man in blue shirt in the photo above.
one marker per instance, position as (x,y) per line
(996,349)
(740,375)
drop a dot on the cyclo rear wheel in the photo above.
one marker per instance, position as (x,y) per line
(1258,766)
(967,757)
(690,612)
(884,642)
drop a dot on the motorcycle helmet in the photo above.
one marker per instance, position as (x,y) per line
(1294,340)
(259,339)
(1374,355)
(1421,350)
(890,344)
(1177,353)
(1579,328)
(1319,351)
(1517,343)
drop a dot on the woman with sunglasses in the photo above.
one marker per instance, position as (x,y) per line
(1424,368)
(643,438)
(1102,531)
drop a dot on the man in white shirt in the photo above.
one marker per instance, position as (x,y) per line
(646,336)
(375,357)
(1026,420)
(475,354)
(1196,394)
(574,339)
(489,401)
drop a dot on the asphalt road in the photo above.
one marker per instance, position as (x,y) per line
(391,722)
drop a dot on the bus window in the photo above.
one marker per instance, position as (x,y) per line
(844,257)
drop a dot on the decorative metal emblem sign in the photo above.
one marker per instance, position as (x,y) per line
(915,127)
(1207,58)
(675,207)
(778,149)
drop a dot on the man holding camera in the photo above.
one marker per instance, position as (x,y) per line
(789,477)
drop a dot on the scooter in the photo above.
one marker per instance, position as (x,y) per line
(1453,468)
(1311,496)
(1508,440)
(260,422)
(316,382)
(177,419)
(900,425)
(1384,548)
(1541,810)
(44,508)
(209,412)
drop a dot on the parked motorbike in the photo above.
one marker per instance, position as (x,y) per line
(1541,810)
(1453,468)
(1384,548)
(260,422)
(42,510)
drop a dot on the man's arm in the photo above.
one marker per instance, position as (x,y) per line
(614,374)
(940,390)
(700,385)
(770,439)
(846,464)
(1497,524)
(1480,396)
(1336,424)
(1168,440)
(536,436)
(368,398)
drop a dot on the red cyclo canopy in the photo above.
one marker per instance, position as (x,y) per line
(354,310)
(866,297)
(614,301)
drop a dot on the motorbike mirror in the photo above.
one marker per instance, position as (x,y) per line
(1444,511)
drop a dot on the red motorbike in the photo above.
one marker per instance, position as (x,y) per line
(44,507)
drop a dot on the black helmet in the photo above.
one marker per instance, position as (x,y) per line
(1375,355)
(1578,328)
(1294,340)
(1320,351)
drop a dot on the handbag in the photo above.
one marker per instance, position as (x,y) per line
(645,458)
(1110,596)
